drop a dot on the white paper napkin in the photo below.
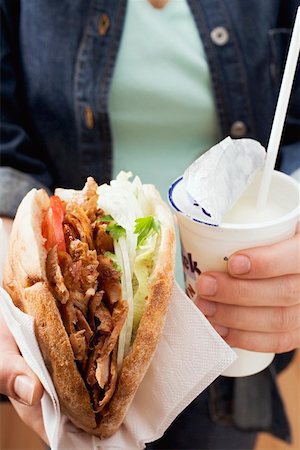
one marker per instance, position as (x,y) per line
(189,357)
(216,180)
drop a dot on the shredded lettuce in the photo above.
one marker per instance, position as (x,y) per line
(128,282)
(135,233)
(122,336)
(143,267)
(118,200)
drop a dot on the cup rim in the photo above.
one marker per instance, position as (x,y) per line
(243,226)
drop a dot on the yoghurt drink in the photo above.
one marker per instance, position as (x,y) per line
(207,247)
(245,212)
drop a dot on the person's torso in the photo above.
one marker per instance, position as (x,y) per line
(68,54)
(161,104)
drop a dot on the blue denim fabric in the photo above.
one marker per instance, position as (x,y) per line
(57,61)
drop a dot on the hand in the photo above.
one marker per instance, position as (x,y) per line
(19,383)
(256,304)
(5,230)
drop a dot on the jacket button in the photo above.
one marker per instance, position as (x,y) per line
(89,117)
(238,129)
(219,36)
(103,24)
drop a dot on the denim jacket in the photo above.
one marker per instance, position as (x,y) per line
(57,61)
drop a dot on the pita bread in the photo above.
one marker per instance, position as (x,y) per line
(26,281)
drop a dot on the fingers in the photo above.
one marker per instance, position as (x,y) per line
(261,319)
(256,304)
(267,262)
(221,287)
(263,342)
(17,380)
(261,329)
(19,383)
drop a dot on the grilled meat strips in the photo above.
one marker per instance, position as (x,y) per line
(87,289)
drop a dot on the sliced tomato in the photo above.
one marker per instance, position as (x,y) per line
(52,225)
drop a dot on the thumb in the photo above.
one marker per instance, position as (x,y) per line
(17,380)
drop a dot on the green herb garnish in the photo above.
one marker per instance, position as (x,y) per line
(114,260)
(144,227)
(106,219)
(113,228)
(116,231)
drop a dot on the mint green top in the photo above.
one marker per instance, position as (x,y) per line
(161,104)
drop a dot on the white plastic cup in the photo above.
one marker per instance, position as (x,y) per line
(206,247)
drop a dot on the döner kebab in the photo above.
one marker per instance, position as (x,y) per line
(95,270)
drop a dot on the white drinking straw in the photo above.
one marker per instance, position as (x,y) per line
(280,113)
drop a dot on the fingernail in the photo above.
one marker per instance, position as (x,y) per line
(24,388)
(239,265)
(207,285)
(222,331)
(206,307)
